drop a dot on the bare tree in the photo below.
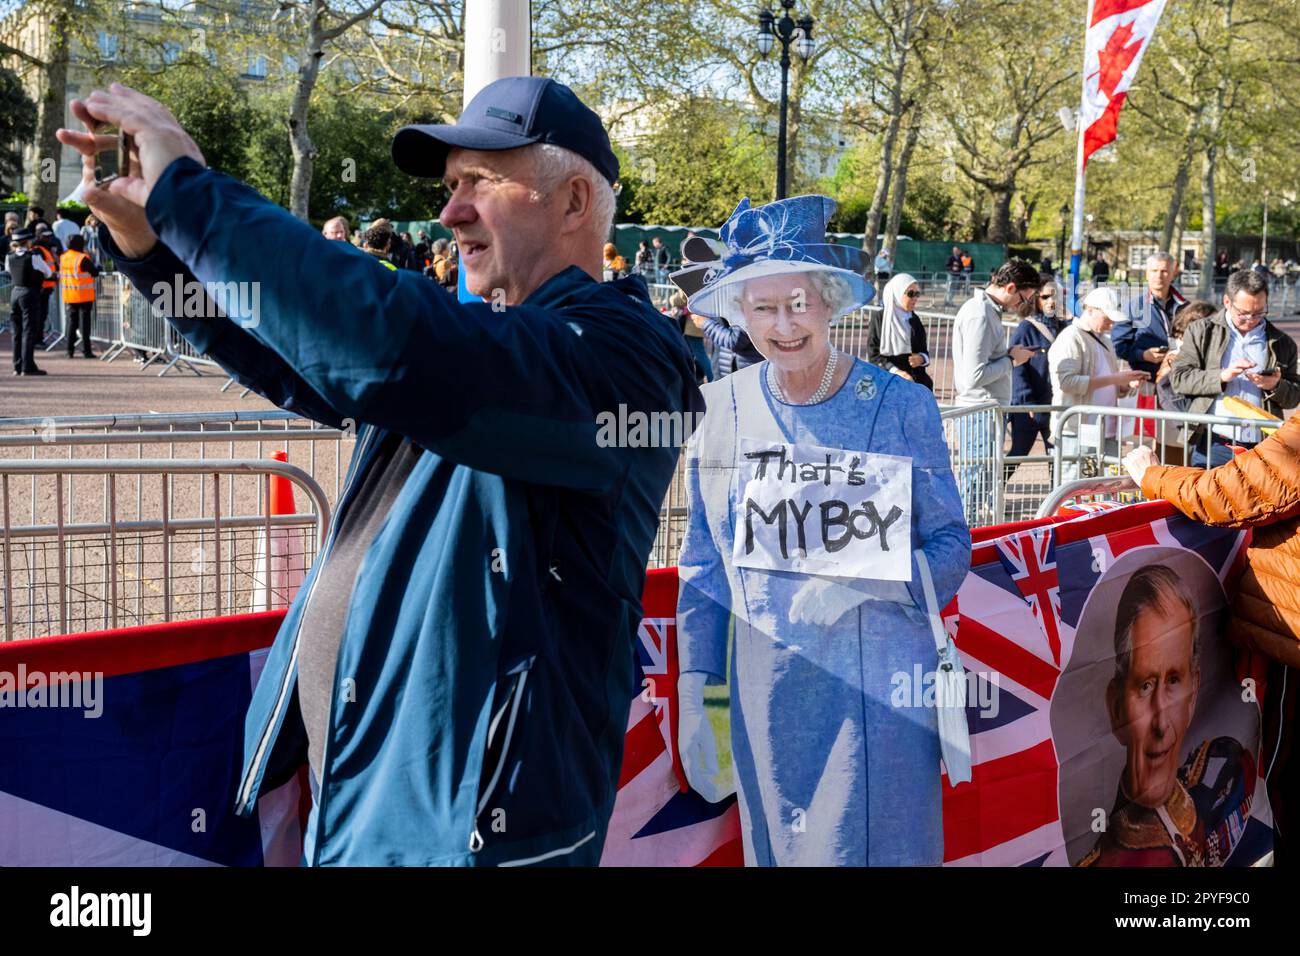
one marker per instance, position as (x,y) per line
(1011,123)
(321,26)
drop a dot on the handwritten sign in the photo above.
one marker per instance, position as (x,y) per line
(819,510)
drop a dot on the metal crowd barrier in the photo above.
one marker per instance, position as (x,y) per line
(179,352)
(62,574)
(974,438)
(1103,489)
(124,321)
(660,293)
(1094,438)
(318,450)
(142,331)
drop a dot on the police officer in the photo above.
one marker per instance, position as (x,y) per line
(28,270)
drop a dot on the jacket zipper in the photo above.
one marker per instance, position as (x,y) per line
(246,786)
(475,838)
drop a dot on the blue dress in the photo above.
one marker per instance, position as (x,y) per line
(837,763)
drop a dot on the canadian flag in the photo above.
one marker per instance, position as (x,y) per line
(1119,32)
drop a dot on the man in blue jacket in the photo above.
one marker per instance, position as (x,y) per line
(457,669)
(1143,341)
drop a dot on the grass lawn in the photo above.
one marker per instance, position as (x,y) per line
(717,701)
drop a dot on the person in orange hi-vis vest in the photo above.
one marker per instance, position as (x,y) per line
(47,247)
(77,272)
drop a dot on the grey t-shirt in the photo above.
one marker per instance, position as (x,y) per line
(326,612)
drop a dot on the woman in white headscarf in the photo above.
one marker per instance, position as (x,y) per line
(896,338)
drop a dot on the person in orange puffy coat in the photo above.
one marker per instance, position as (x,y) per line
(1258,489)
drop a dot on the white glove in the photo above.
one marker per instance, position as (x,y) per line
(1138,461)
(823,601)
(695,741)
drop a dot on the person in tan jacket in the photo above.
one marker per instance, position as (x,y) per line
(1258,489)
(1085,371)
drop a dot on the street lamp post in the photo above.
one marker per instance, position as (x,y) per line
(787,31)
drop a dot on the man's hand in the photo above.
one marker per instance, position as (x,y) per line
(915,360)
(1138,461)
(1235,369)
(158,138)
(1265,382)
(699,320)
(1020,354)
(1155,355)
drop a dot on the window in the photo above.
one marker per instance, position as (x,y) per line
(171,51)
(107,45)
(256,67)
(1137,255)
(290,64)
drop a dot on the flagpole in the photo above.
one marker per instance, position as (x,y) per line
(1076,237)
(498,43)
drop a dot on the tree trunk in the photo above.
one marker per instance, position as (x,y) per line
(1000,221)
(1214,123)
(1176,243)
(976,222)
(1181,176)
(300,145)
(896,109)
(900,184)
(872,228)
(1209,230)
(45,181)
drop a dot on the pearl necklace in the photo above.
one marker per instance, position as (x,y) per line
(827,377)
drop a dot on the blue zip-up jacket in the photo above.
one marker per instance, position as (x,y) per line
(491,629)
(1146,328)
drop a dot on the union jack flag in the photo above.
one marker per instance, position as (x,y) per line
(1030,559)
(658,820)
(1014,621)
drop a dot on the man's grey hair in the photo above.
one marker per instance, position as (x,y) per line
(1247,281)
(1154,587)
(555,164)
(1162,257)
(440,247)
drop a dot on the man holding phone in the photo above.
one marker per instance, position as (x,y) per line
(1236,352)
(1143,339)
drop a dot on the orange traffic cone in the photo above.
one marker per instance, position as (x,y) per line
(284,563)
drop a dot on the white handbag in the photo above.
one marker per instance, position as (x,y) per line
(949,687)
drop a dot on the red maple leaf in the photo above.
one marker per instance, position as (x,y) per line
(1115,58)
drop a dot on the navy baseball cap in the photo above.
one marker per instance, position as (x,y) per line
(511,112)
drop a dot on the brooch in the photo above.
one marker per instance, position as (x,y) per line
(865,390)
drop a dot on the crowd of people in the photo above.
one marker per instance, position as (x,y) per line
(38,257)
(488,556)
(437,259)
(1181,355)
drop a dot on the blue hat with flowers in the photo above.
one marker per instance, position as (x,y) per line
(785,236)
